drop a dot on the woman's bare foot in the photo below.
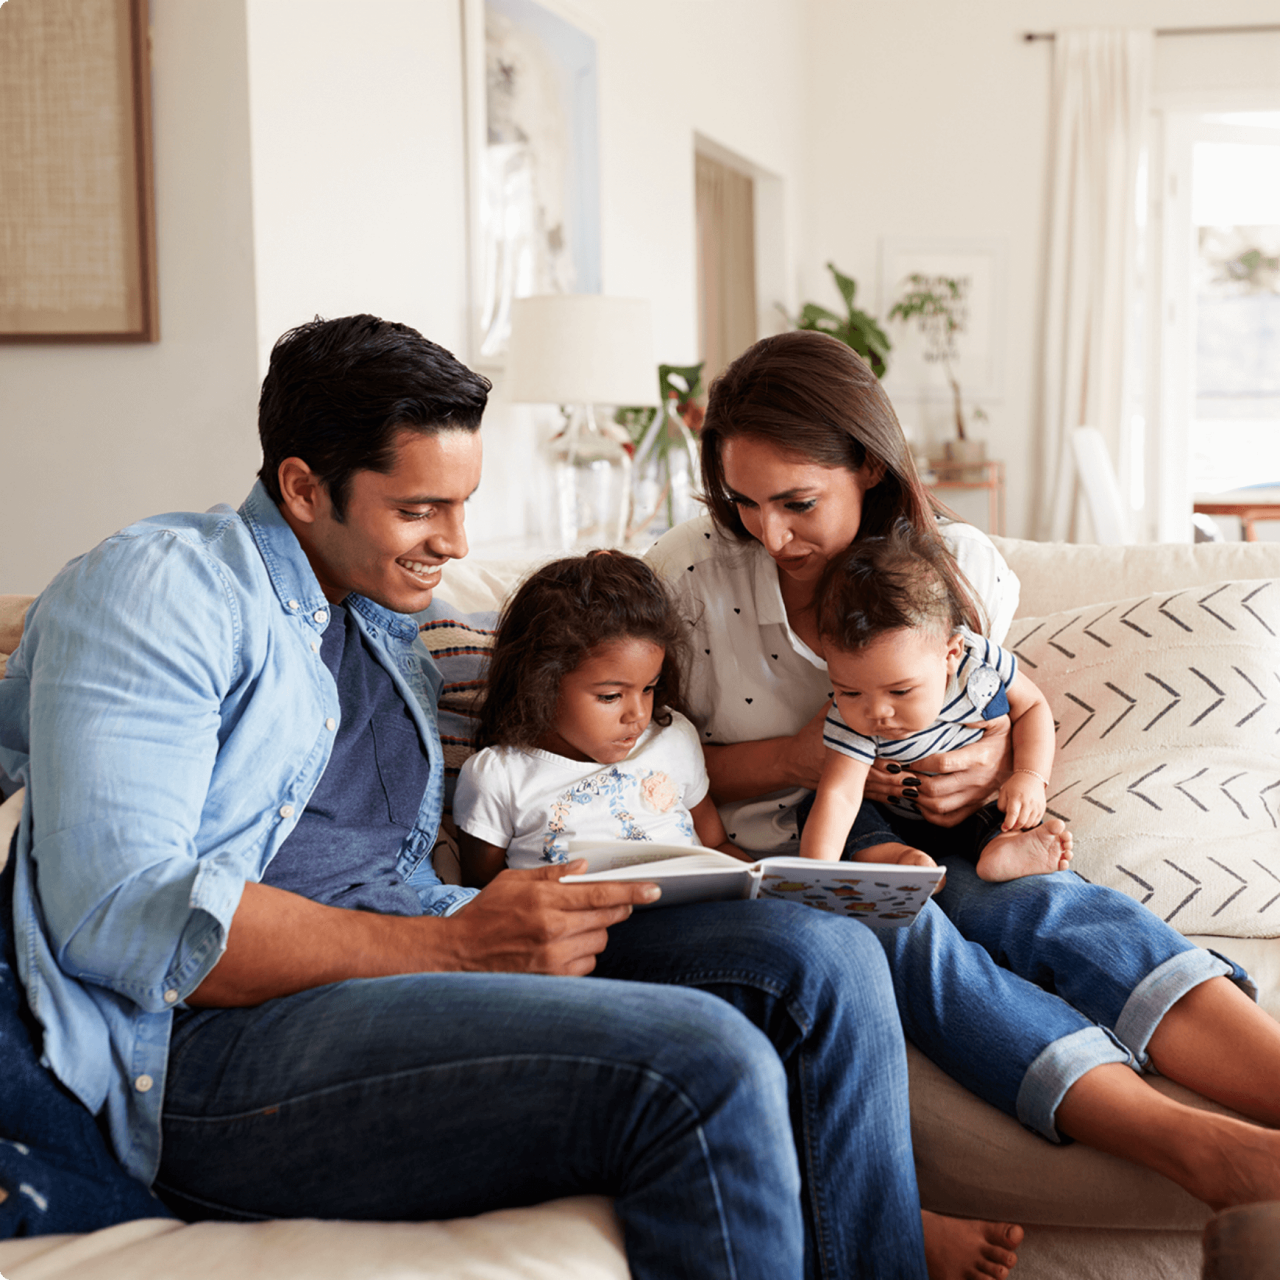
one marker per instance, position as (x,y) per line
(966,1249)
(1037,852)
(1233,1163)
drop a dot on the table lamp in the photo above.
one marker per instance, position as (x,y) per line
(578,350)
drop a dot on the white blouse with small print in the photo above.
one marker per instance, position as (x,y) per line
(532,802)
(751,676)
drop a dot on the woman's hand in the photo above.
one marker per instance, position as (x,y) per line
(806,754)
(745,770)
(950,786)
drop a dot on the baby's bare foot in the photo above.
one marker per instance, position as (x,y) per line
(966,1249)
(1037,852)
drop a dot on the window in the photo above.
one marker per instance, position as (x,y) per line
(1210,268)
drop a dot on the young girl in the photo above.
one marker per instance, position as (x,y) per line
(582,734)
(911,680)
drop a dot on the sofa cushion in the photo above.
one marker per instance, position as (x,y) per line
(572,1239)
(13,613)
(1168,748)
(459,645)
(1061,575)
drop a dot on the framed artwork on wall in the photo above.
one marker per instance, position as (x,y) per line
(77,222)
(533,161)
(978,363)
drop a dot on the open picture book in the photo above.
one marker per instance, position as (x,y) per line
(878,893)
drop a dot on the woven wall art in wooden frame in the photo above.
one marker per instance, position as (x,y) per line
(77,222)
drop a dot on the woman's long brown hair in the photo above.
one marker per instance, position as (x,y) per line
(810,395)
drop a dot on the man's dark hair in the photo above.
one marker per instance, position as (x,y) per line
(549,627)
(338,392)
(895,582)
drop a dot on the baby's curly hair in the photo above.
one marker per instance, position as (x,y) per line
(555,618)
(894,582)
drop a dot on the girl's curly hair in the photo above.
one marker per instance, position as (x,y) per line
(555,618)
(895,582)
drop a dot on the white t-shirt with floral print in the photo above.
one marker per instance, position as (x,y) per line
(534,802)
(752,677)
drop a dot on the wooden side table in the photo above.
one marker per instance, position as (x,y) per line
(1246,511)
(943,476)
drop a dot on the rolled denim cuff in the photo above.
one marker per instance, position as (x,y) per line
(1057,1068)
(1164,986)
(445,899)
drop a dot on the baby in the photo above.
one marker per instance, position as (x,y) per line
(911,680)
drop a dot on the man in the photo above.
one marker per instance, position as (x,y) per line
(242,959)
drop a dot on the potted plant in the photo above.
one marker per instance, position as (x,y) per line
(855,328)
(939,307)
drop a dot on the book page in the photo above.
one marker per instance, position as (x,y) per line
(606,855)
(702,876)
(881,894)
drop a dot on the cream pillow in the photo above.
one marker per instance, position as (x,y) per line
(1168,748)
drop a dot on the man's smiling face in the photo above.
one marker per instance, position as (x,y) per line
(400,527)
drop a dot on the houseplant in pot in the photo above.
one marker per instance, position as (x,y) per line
(856,328)
(938,306)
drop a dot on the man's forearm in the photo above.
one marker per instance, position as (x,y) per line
(280,943)
(522,922)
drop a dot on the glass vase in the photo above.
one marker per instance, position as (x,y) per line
(665,475)
(592,478)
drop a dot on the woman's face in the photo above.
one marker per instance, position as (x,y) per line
(802,512)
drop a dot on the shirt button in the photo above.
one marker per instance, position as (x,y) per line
(293,604)
(331,724)
(286,811)
(143,1084)
(320,616)
(315,648)
(171,997)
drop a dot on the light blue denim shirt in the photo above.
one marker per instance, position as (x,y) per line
(170,716)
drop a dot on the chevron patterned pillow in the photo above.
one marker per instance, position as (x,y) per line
(1168,748)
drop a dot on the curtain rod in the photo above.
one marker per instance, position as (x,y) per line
(1180,31)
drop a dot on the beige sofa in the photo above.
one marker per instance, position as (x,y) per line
(1148,669)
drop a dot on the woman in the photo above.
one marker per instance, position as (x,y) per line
(802,454)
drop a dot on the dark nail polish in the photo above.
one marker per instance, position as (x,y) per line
(910,793)
(911,782)
(893,768)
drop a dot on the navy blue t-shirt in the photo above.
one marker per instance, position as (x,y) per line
(344,849)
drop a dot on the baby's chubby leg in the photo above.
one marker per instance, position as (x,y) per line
(1039,851)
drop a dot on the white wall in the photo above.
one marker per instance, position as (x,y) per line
(931,120)
(357,157)
(728,70)
(95,435)
(310,159)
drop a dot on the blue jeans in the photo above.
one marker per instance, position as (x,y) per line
(818,987)
(1018,989)
(440,1095)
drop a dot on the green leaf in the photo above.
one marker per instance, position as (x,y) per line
(847,286)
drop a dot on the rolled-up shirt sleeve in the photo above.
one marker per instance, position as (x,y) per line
(131,697)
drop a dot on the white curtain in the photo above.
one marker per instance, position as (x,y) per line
(1101,92)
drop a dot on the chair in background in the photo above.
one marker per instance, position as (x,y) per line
(1101,489)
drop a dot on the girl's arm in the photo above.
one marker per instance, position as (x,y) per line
(1023,796)
(479,861)
(835,807)
(710,831)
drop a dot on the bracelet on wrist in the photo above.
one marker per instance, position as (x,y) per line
(1038,776)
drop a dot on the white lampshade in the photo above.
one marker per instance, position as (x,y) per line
(581,348)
